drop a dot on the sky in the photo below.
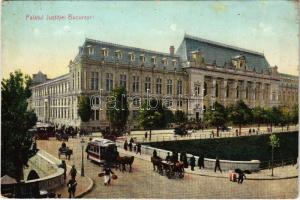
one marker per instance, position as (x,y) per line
(270,27)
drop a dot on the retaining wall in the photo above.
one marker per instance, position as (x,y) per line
(252,165)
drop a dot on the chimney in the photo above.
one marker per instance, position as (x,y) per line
(172,50)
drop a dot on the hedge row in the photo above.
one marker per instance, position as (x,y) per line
(237,148)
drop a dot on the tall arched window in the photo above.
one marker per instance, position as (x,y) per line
(205,88)
(217,90)
(237,91)
(227,91)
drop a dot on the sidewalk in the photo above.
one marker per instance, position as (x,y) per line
(279,172)
(84,184)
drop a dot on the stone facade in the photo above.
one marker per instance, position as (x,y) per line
(200,73)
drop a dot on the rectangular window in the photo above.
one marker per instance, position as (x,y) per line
(94,80)
(142,58)
(118,54)
(123,80)
(131,56)
(197,89)
(158,86)
(174,63)
(179,87)
(104,52)
(164,61)
(169,87)
(91,50)
(97,114)
(147,84)
(153,60)
(109,82)
(179,103)
(135,83)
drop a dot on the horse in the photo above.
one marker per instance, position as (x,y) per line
(68,152)
(126,160)
(156,161)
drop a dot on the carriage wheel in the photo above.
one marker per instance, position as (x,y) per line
(169,175)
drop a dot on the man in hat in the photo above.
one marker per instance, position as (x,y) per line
(107,174)
(73,172)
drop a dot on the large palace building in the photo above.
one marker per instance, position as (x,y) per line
(191,79)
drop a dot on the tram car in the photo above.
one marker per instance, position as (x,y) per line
(101,150)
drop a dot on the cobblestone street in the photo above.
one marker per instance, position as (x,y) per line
(143,182)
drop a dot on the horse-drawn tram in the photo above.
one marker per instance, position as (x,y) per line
(101,150)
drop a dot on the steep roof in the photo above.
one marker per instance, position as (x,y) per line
(219,53)
(126,50)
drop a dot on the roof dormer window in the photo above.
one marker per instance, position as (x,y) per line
(91,50)
(104,52)
(164,61)
(153,60)
(239,62)
(174,63)
(131,56)
(118,54)
(142,58)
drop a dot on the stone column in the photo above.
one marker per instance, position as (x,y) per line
(244,89)
(253,95)
(225,82)
(213,91)
(235,88)
(261,100)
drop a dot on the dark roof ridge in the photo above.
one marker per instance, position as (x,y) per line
(222,44)
(129,47)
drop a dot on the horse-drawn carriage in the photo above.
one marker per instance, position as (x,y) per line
(170,169)
(60,136)
(64,150)
(43,131)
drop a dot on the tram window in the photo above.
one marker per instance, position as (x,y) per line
(97,149)
(102,150)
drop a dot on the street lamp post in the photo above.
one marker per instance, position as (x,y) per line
(82,142)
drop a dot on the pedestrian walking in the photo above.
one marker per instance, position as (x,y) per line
(241,177)
(130,146)
(139,149)
(213,134)
(107,175)
(131,140)
(72,187)
(73,172)
(154,153)
(201,161)
(217,165)
(192,162)
(236,132)
(146,135)
(125,145)
(64,167)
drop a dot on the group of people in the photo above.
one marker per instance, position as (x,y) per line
(131,146)
(72,183)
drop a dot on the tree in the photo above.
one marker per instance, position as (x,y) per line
(285,118)
(16,141)
(295,114)
(118,109)
(273,116)
(240,114)
(152,116)
(180,117)
(259,115)
(274,142)
(84,108)
(217,117)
